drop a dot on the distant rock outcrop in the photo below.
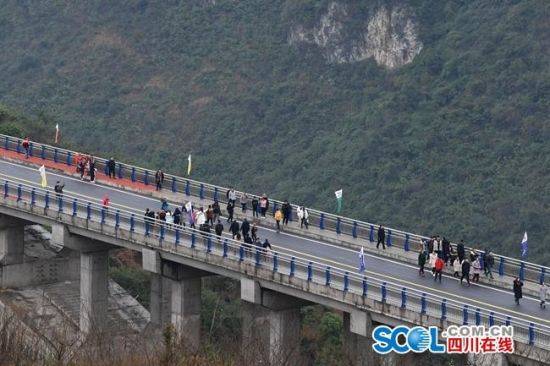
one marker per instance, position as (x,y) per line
(389,35)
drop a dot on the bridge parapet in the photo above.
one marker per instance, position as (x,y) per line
(311,281)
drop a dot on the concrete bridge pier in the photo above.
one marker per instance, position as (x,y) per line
(94,272)
(175,297)
(12,231)
(271,327)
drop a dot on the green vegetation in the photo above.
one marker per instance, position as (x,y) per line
(454,143)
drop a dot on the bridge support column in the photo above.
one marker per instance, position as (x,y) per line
(94,268)
(357,339)
(12,243)
(175,297)
(94,290)
(271,325)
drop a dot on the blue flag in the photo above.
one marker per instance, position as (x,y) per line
(524,246)
(362,260)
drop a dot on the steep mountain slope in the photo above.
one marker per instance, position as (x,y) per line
(432,115)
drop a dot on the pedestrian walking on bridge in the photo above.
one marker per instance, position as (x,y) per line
(58,188)
(278,218)
(543,291)
(518,291)
(489,263)
(159,179)
(381,237)
(465,271)
(111,166)
(421,262)
(439,264)
(26,146)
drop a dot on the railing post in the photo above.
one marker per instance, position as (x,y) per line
(33,197)
(103,215)
(88,211)
(193,238)
(201,192)
(117,219)
(215,193)
(383,292)
(69,158)
(257,261)
(60,203)
(209,244)
(309,272)
(406,246)
(522,271)
(465,315)
(275,262)
(7,143)
(404,298)
(55,157)
(241,253)
(389,238)
(177,236)
(354,230)
(478,316)
(346,281)
(274,208)
(322,221)
(19,192)
(75,206)
(365,286)
(119,171)
(132,223)
(531,334)
(174,187)
(338,225)
(292,266)
(106,167)
(133,174)
(491,318)
(43,152)
(6,189)
(18,147)
(501,267)
(47,200)
(542,272)
(444,309)
(225,248)
(423,304)
(187,188)
(147,227)
(327,276)
(371,234)
(146,178)
(31,146)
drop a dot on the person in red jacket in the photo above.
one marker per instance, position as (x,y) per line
(439,264)
(26,146)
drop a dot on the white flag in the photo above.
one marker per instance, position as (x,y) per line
(189,165)
(42,171)
(56,133)
(338,194)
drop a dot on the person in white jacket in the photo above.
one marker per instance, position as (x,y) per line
(303,215)
(457,267)
(543,292)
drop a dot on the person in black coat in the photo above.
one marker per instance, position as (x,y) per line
(518,292)
(286,210)
(111,165)
(219,228)
(446,250)
(245,227)
(230,210)
(235,228)
(460,250)
(177,216)
(465,272)
(381,237)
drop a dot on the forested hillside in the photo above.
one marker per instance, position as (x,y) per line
(432,115)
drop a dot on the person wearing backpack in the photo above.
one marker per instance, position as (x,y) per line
(219,229)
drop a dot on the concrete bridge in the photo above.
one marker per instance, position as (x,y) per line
(318,265)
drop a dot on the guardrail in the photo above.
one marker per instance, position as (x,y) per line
(65,208)
(513,267)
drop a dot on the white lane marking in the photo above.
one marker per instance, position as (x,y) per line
(391,261)
(420,286)
(263,227)
(331,261)
(84,181)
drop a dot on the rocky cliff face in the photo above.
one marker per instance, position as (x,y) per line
(388,34)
